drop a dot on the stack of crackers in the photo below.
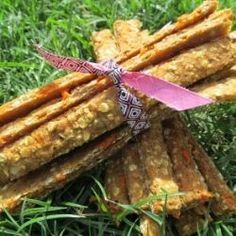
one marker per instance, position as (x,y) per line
(50,135)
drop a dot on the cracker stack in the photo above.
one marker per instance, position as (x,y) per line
(52,134)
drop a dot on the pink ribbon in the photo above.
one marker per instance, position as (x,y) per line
(168,93)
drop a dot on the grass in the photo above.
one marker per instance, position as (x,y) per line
(65,26)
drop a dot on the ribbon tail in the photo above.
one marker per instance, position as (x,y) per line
(172,95)
(70,63)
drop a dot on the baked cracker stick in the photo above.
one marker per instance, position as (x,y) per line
(221,90)
(158,168)
(56,174)
(202,61)
(184,21)
(35,98)
(22,126)
(134,173)
(148,227)
(188,177)
(209,29)
(127,34)
(115,182)
(104,45)
(100,114)
(225,202)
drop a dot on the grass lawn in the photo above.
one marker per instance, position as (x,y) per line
(65,26)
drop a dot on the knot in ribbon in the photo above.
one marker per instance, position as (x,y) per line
(168,93)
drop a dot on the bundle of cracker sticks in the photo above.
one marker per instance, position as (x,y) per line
(50,135)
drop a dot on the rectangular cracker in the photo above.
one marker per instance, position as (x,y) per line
(188,177)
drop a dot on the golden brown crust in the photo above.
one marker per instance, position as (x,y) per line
(134,173)
(188,177)
(221,89)
(203,11)
(115,182)
(55,175)
(225,201)
(24,125)
(104,45)
(127,34)
(209,29)
(158,168)
(202,61)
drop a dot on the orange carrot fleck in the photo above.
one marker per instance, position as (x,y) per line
(185,154)
(65,94)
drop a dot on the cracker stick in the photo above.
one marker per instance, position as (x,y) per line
(223,89)
(127,37)
(188,177)
(209,29)
(23,126)
(104,45)
(184,21)
(25,103)
(115,182)
(225,202)
(55,175)
(127,34)
(202,61)
(134,172)
(158,168)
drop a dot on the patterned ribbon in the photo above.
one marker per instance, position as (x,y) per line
(171,94)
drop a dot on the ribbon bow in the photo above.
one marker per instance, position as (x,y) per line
(168,93)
